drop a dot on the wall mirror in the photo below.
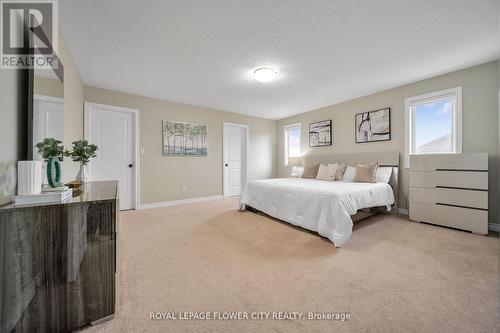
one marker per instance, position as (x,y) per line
(46,107)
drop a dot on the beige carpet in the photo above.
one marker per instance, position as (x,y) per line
(392,276)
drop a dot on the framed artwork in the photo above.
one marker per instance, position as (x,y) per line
(184,139)
(320,134)
(373,126)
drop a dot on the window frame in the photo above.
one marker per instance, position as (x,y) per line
(437,96)
(287,128)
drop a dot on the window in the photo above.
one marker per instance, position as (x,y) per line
(291,141)
(433,123)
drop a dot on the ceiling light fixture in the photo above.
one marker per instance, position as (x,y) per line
(265,74)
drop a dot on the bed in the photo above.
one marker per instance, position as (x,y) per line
(325,207)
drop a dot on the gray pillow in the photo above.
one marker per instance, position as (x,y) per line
(366,173)
(310,172)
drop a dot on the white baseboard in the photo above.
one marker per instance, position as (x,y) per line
(179,202)
(403,211)
(494,227)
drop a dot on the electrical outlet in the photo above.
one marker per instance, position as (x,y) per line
(184,188)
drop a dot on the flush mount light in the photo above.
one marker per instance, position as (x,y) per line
(265,74)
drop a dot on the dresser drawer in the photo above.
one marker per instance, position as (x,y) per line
(467,198)
(457,179)
(469,161)
(461,218)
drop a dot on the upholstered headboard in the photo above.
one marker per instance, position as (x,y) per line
(387,159)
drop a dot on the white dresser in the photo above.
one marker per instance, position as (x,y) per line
(450,190)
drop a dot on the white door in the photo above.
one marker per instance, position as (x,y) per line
(112,129)
(48,120)
(235,158)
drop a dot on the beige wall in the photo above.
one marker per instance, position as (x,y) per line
(479,111)
(48,87)
(162,178)
(73,107)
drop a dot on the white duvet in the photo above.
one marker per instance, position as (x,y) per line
(321,206)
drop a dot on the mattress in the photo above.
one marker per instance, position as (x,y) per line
(321,206)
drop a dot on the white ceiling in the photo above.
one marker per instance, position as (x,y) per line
(202,52)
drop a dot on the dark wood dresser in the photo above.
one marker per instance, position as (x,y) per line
(58,262)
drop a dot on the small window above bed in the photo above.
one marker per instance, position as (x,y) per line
(291,140)
(433,123)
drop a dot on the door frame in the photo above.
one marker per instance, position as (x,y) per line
(224,154)
(136,137)
(45,98)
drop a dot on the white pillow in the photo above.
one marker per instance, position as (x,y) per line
(384,174)
(327,172)
(349,173)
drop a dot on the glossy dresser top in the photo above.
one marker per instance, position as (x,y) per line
(98,191)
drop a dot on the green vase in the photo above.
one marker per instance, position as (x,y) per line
(54,172)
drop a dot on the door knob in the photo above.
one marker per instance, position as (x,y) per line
(130,165)
(226,164)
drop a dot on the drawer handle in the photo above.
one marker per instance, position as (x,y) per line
(462,170)
(467,207)
(461,188)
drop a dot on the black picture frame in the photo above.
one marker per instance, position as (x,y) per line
(385,136)
(328,124)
